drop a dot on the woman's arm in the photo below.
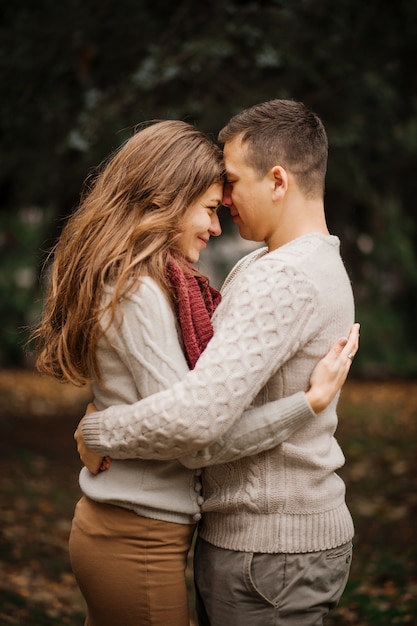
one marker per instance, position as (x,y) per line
(266,426)
(237,363)
(257,430)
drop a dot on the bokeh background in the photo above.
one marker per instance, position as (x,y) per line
(76,76)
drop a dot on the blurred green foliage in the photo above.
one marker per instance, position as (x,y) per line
(77,76)
(21,234)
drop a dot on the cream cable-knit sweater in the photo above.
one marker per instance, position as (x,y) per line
(280,313)
(141,354)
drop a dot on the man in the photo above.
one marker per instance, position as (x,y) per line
(274,545)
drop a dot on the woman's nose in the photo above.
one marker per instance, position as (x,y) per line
(215,228)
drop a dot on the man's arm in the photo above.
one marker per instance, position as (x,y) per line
(257,431)
(263,324)
(269,425)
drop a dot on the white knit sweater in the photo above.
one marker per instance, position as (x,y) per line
(141,354)
(280,313)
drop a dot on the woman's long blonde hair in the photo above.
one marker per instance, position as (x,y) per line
(126,226)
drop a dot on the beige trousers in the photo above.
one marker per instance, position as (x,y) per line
(130,569)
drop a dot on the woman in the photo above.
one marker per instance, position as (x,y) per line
(123,295)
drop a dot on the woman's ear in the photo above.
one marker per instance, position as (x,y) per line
(279,177)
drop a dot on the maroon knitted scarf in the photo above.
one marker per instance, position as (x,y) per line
(195,302)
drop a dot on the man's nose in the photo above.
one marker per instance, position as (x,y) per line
(215,228)
(227,195)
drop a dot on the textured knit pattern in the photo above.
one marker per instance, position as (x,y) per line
(136,361)
(142,354)
(280,313)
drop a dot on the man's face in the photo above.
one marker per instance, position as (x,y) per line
(245,193)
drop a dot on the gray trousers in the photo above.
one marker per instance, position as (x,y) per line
(252,589)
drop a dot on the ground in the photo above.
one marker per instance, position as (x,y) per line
(38,489)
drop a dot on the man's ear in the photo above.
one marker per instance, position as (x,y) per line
(279,176)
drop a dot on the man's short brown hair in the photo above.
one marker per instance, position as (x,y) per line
(286,133)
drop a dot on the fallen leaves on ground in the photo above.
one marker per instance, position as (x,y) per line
(39,487)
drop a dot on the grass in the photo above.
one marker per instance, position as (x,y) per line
(38,490)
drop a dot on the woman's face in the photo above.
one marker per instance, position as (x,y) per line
(200,222)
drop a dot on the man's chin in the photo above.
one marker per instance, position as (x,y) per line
(244,234)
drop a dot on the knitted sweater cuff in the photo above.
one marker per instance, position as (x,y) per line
(91,433)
